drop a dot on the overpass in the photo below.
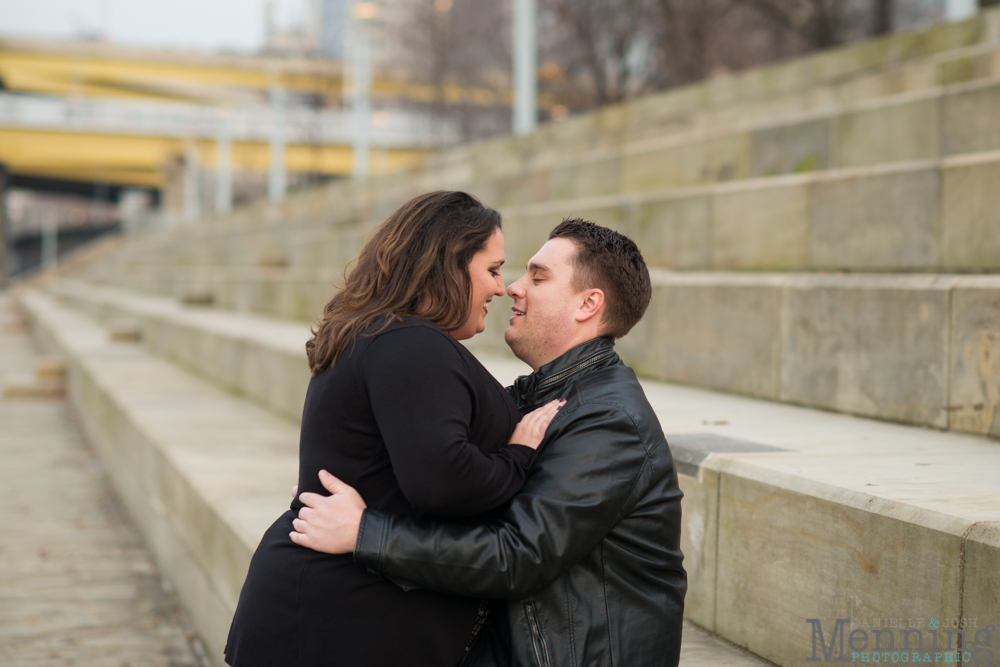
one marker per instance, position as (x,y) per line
(84,113)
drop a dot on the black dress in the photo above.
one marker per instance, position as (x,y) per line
(416,424)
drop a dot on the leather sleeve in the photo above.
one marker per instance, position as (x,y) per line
(583,481)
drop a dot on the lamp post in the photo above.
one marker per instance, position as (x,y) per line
(362,14)
(276,174)
(525,66)
(958,10)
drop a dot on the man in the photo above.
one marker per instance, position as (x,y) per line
(587,554)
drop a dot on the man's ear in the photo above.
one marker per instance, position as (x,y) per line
(591,305)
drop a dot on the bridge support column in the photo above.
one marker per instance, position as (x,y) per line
(192,184)
(50,242)
(957,10)
(224,170)
(5,261)
(276,174)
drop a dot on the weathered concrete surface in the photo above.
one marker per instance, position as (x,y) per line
(915,349)
(869,345)
(901,130)
(970,216)
(761,228)
(887,221)
(77,586)
(202,472)
(713,330)
(676,232)
(974,403)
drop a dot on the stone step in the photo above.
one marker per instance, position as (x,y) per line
(919,350)
(790,514)
(917,216)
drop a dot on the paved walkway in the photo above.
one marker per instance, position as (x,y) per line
(77,586)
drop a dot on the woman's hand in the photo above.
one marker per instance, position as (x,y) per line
(329,523)
(531,429)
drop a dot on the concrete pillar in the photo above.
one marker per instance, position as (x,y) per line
(224,169)
(525,66)
(958,10)
(276,173)
(50,241)
(5,261)
(361,100)
(192,184)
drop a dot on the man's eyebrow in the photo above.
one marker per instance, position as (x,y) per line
(535,266)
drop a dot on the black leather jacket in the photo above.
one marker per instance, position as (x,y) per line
(587,555)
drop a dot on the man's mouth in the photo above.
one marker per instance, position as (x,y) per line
(517,313)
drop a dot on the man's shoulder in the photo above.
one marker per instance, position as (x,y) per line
(615,389)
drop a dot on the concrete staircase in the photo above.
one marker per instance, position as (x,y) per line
(823,233)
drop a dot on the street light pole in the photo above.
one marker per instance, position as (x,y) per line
(362,99)
(525,66)
(276,175)
(958,10)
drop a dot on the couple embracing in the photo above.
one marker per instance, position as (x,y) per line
(455,531)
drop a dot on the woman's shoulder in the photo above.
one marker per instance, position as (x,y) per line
(413,336)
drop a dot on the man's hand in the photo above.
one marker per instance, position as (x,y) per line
(329,523)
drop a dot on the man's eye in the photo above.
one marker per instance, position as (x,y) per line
(536,280)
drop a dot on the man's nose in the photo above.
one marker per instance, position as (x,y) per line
(515,291)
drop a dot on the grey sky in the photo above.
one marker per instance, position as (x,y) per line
(179,24)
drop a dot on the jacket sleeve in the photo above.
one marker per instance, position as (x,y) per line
(423,402)
(580,486)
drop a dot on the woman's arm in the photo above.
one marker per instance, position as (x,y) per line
(422,400)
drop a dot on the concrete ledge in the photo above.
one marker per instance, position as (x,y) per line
(789,513)
(922,216)
(203,473)
(916,349)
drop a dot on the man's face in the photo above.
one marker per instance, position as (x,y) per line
(544,321)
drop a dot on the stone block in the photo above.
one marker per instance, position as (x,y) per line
(711,160)
(527,188)
(790,149)
(974,405)
(891,133)
(971,120)
(588,178)
(719,331)
(970,216)
(876,220)
(790,550)
(982,592)
(675,232)
(869,345)
(699,544)
(761,226)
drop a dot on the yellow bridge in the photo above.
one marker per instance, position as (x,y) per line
(93,113)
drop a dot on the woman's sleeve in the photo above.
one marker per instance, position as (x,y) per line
(422,400)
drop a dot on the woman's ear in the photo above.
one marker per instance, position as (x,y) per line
(591,304)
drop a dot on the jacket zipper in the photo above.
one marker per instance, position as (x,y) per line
(541,652)
(548,382)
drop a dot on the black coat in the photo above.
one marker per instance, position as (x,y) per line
(587,554)
(412,420)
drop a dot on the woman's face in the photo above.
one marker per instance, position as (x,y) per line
(486,282)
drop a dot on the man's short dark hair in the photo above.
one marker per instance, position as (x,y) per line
(611,262)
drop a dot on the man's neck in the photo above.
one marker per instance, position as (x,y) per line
(563,349)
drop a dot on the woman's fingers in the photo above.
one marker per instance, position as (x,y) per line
(531,429)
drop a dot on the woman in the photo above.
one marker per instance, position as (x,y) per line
(400,410)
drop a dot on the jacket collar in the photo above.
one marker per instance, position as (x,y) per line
(548,382)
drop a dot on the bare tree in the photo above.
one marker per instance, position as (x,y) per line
(885,11)
(604,42)
(821,23)
(685,30)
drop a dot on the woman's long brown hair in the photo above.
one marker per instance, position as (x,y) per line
(415,264)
